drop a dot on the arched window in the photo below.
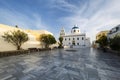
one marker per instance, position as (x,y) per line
(73,38)
(74,30)
(82,38)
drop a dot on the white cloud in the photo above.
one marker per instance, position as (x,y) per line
(91,16)
(63,5)
(23,21)
(105,15)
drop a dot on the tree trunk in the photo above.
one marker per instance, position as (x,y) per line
(47,46)
(18,47)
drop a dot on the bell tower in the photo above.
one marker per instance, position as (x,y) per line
(62,32)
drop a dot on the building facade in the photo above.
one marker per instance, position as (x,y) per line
(113,32)
(76,39)
(33,41)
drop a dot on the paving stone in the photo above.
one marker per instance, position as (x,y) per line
(92,74)
(83,64)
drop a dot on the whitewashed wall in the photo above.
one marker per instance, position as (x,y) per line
(5,46)
(31,43)
(68,42)
(85,42)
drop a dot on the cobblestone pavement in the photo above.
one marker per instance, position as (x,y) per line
(84,64)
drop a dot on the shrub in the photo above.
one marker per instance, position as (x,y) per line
(102,41)
(47,39)
(115,43)
(60,40)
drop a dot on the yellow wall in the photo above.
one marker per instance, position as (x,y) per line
(101,34)
(33,41)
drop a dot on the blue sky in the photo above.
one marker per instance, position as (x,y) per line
(91,16)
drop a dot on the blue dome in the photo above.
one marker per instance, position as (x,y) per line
(75,28)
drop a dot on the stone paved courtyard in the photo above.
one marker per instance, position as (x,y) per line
(84,64)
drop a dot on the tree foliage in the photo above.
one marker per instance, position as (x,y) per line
(47,39)
(17,38)
(115,43)
(60,40)
(102,41)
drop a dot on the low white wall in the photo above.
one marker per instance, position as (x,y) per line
(5,46)
(31,43)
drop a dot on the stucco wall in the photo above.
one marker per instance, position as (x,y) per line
(5,46)
(31,43)
(68,42)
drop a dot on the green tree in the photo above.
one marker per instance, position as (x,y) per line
(17,38)
(115,43)
(102,41)
(60,40)
(47,39)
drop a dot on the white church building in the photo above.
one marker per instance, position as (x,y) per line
(75,39)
